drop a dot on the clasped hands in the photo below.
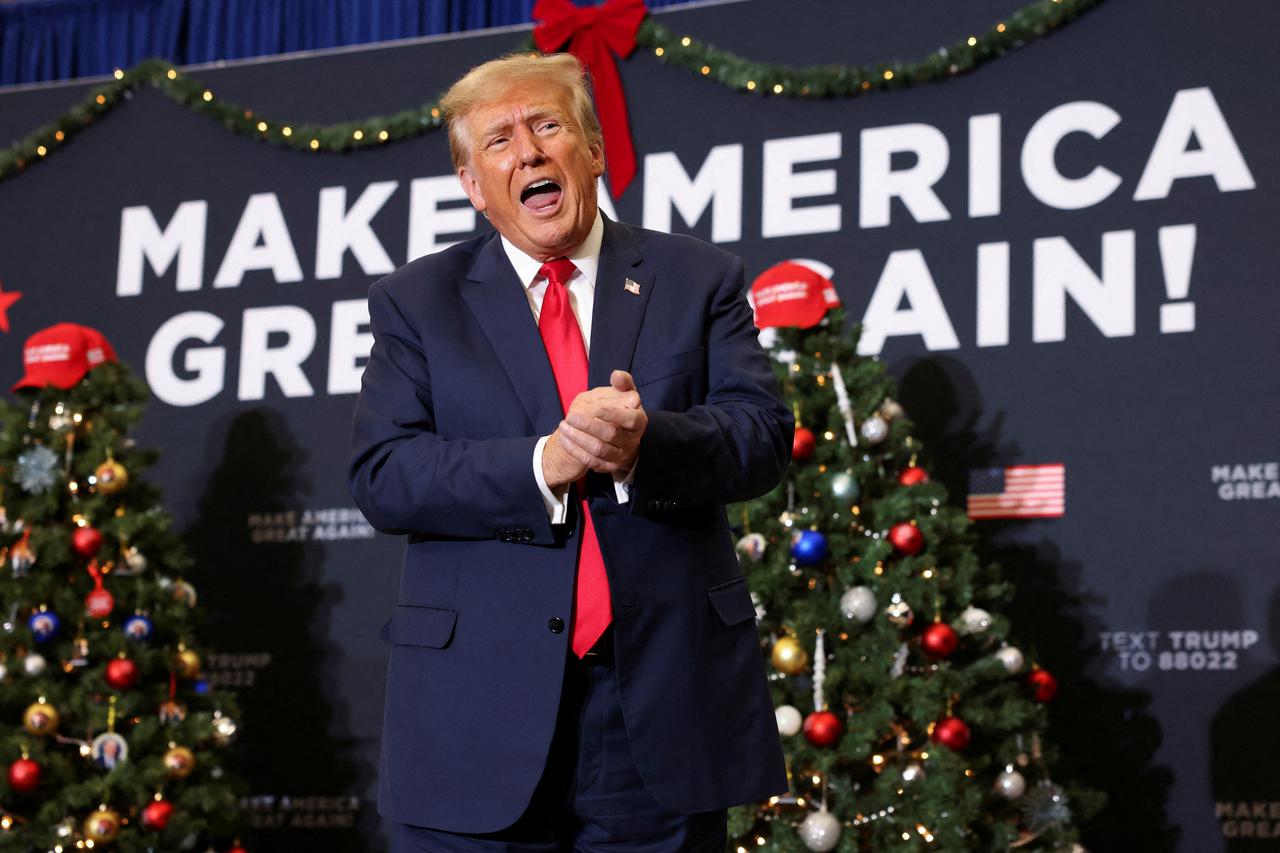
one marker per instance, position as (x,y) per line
(600,432)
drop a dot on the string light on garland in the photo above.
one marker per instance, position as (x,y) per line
(1027,24)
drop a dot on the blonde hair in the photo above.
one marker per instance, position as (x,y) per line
(488,82)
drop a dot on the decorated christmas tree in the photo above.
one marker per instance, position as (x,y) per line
(910,717)
(110,736)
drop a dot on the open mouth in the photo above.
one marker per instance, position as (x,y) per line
(541,195)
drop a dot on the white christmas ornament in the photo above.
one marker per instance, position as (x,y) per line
(789,720)
(842,402)
(1011,658)
(913,773)
(820,831)
(974,620)
(761,612)
(819,672)
(34,663)
(859,603)
(1010,784)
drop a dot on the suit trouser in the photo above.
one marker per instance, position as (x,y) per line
(590,796)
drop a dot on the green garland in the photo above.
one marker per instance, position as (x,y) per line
(704,60)
(842,81)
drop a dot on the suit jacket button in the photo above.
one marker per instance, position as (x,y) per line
(556,624)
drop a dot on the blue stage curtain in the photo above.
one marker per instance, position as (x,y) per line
(61,39)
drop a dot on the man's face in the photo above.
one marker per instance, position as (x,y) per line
(531,170)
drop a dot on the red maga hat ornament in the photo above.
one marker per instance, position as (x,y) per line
(61,355)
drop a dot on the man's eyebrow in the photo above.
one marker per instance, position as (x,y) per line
(530,114)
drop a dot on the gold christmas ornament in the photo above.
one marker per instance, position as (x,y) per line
(789,656)
(112,477)
(179,762)
(102,826)
(40,718)
(186,662)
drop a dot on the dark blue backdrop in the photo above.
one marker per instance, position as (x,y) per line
(61,39)
(1168,438)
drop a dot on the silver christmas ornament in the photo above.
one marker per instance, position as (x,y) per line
(752,547)
(34,663)
(874,430)
(789,720)
(134,560)
(61,417)
(820,831)
(1011,658)
(899,612)
(974,620)
(4,671)
(224,728)
(1010,784)
(35,469)
(761,612)
(844,486)
(913,773)
(858,603)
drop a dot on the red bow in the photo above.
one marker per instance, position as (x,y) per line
(593,33)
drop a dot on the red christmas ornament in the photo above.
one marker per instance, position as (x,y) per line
(237,849)
(939,640)
(86,541)
(156,815)
(122,673)
(906,537)
(1043,685)
(24,775)
(913,474)
(952,733)
(99,603)
(802,446)
(822,728)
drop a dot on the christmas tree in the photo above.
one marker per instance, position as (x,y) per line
(910,718)
(111,735)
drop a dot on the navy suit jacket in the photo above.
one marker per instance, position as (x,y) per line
(456,392)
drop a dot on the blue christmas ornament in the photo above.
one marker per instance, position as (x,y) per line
(43,624)
(808,547)
(138,627)
(201,686)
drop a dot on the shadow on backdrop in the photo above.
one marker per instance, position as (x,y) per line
(270,598)
(1105,735)
(1244,741)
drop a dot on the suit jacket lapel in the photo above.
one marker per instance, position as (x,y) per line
(617,310)
(499,303)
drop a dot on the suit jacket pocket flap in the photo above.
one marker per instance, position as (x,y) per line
(414,625)
(732,601)
(681,362)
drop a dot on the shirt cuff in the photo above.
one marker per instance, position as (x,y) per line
(622,487)
(557,507)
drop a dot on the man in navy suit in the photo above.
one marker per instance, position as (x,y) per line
(556,415)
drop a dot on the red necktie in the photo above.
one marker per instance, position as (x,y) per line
(592,610)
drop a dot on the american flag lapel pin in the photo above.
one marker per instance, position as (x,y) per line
(631,287)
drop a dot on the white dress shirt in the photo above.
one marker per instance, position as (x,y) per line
(582,289)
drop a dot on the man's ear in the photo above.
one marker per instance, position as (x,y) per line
(472,188)
(597,159)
